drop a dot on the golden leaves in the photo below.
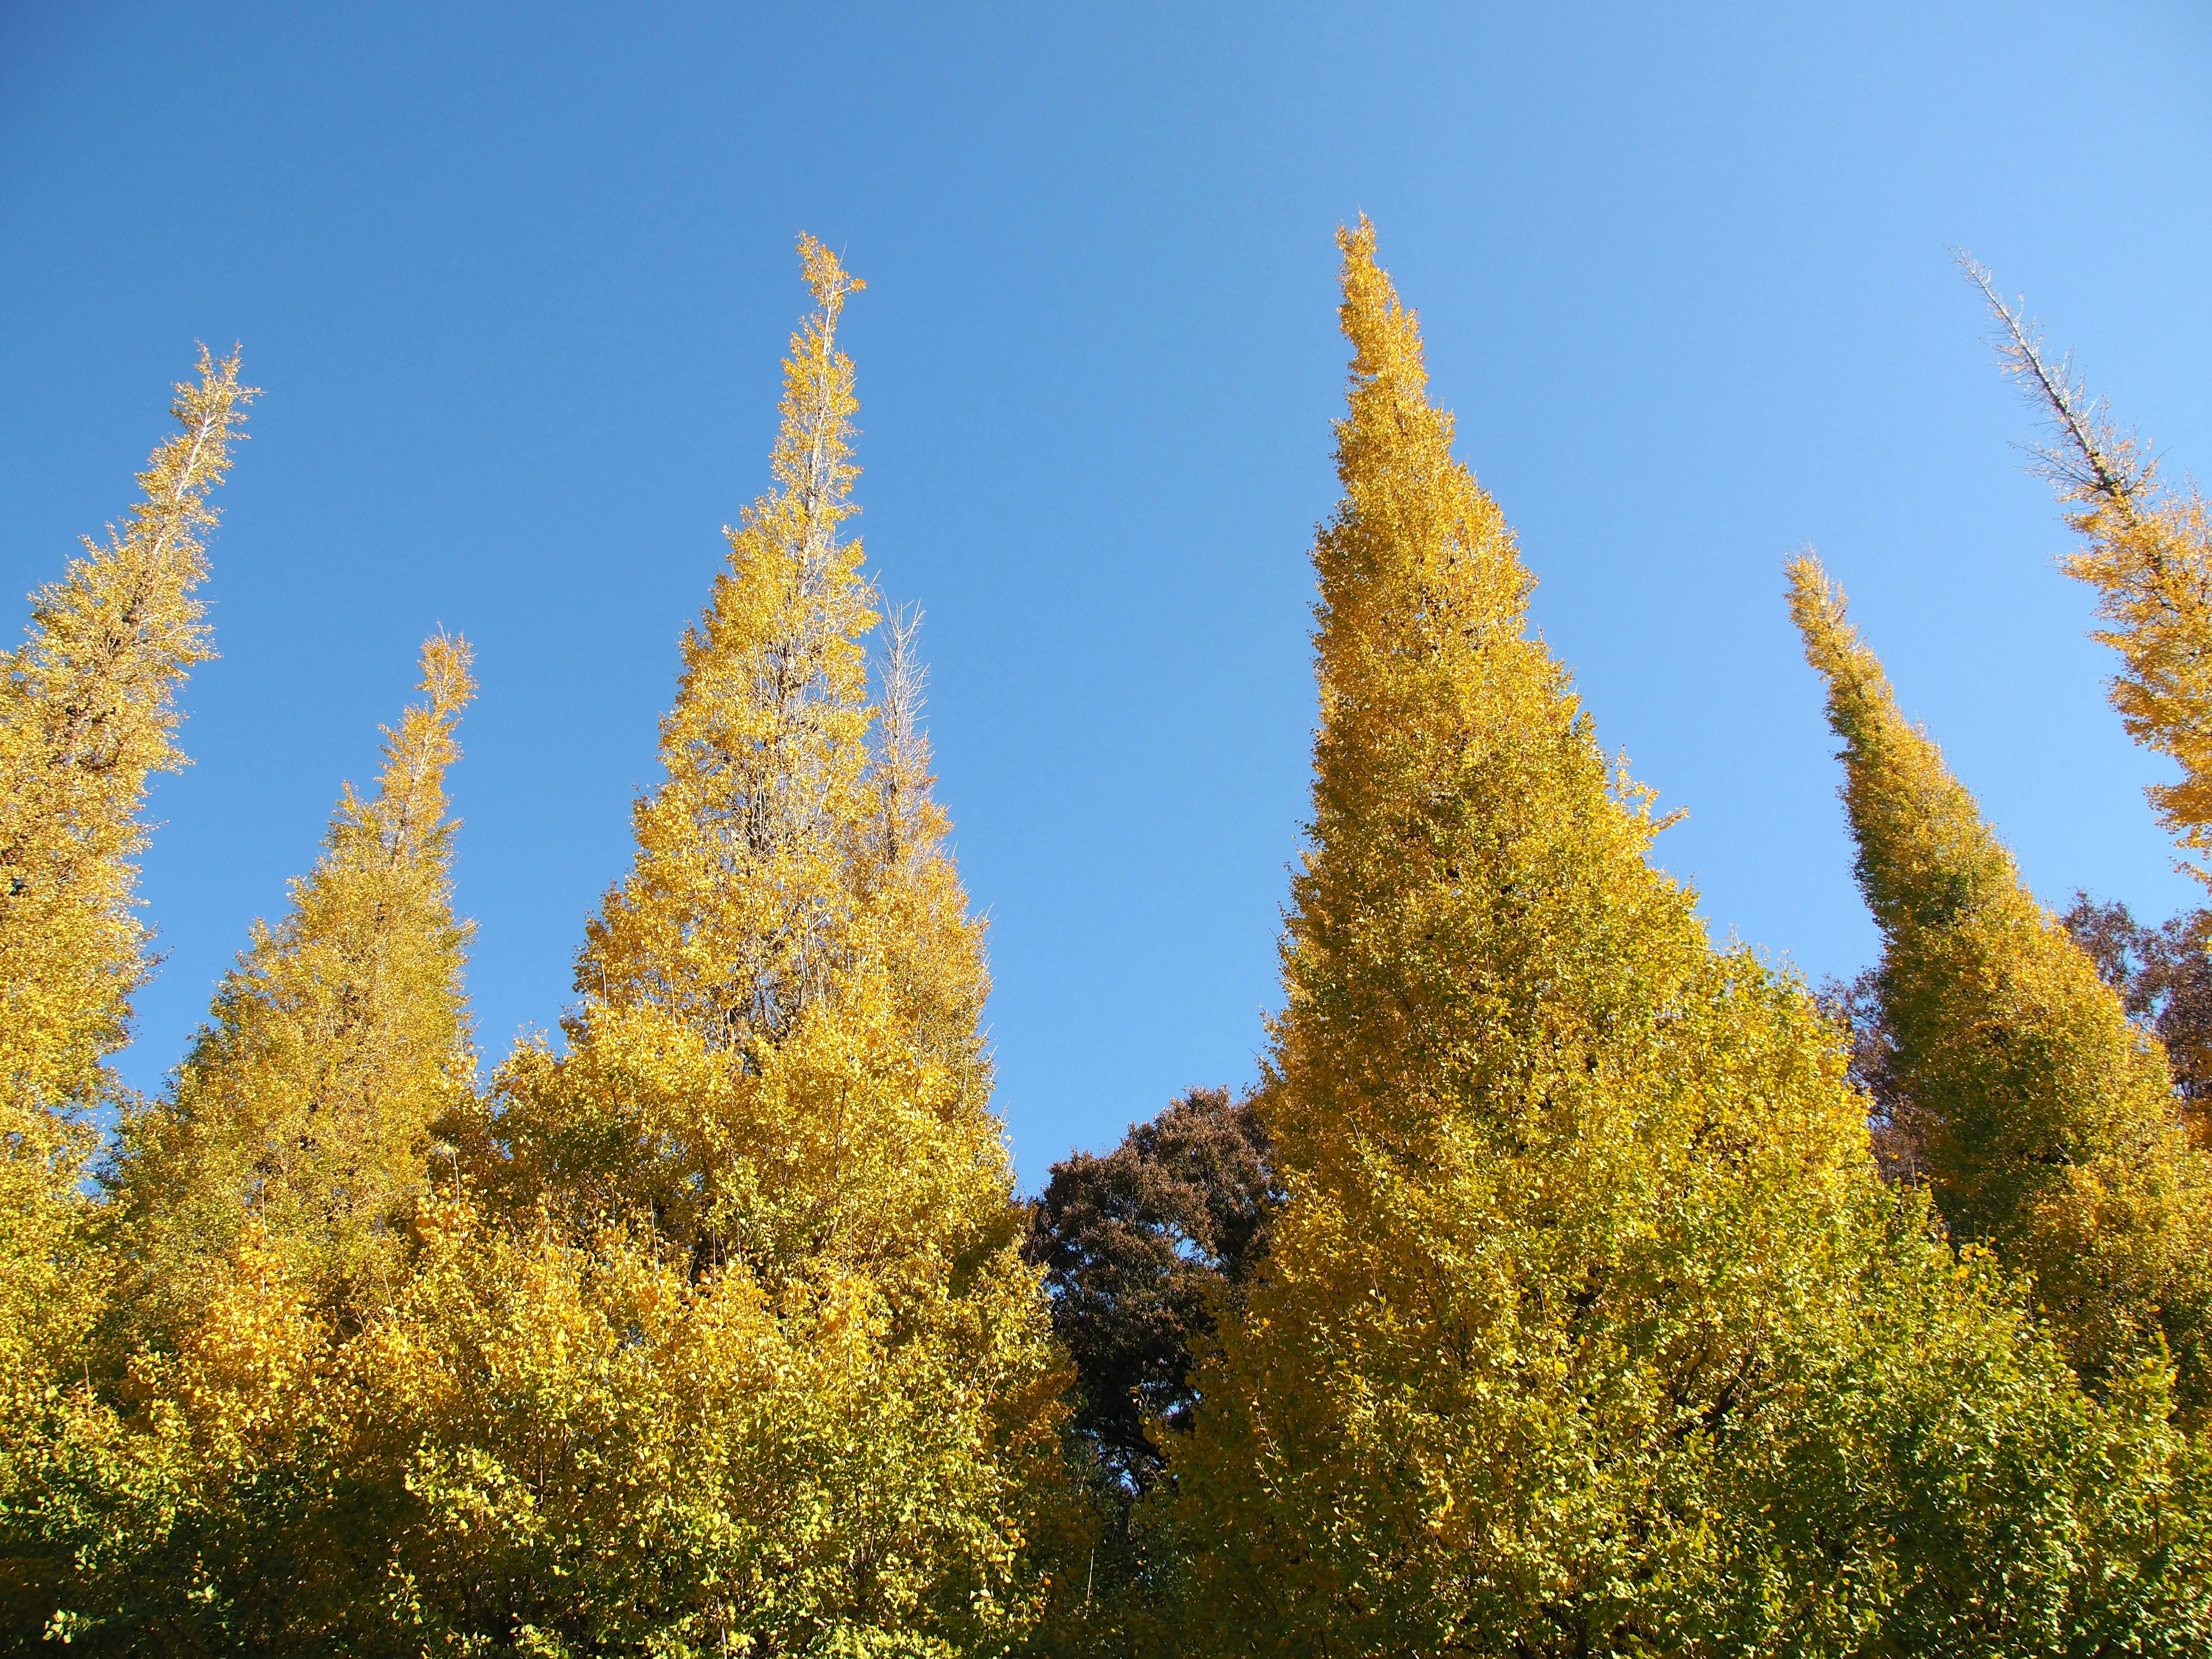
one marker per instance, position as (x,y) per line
(2048,1122)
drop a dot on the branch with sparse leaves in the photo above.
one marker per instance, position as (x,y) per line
(2147,550)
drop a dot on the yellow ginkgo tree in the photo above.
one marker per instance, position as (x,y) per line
(2049,1128)
(777,1052)
(2147,550)
(307,1107)
(767,1155)
(259,1214)
(1586,1325)
(87,715)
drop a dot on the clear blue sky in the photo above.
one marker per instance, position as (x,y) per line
(516,280)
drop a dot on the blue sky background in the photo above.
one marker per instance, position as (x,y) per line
(517,279)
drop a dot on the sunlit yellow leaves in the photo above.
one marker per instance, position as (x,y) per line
(307,1107)
(86,712)
(1587,1325)
(2147,550)
(775,1091)
(2051,1129)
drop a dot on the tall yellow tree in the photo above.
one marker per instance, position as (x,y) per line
(748,1061)
(776,1071)
(261,1215)
(88,715)
(307,1106)
(1586,1326)
(2051,1129)
(2148,551)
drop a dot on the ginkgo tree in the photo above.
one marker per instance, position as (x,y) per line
(771,1122)
(1587,1325)
(307,1107)
(2049,1126)
(87,715)
(776,1054)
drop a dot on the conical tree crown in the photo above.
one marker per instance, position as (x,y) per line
(1463,813)
(1583,1290)
(778,1053)
(307,1103)
(729,920)
(87,713)
(774,1114)
(2049,1125)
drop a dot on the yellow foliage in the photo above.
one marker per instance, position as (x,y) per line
(88,712)
(778,1052)
(235,1388)
(306,1105)
(1586,1323)
(2148,551)
(602,1447)
(2051,1129)
(777,1070)
(188,1508)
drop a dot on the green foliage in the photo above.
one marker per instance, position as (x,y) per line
(1137,1248)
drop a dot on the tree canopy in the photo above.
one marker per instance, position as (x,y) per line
(1571,1284)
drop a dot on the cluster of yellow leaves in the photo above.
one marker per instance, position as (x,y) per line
(602,1448)
(1587,1323)
(308,1104)
(2047,1123)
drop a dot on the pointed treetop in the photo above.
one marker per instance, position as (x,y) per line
(1832,645)
(731,908)
(2148,551)
(411,802)
(87,711)
(812,458)
(1906,806)
(2093,459)
(1418,564)
(1385,333)
(826,276)
(108,641)
(2045,1121)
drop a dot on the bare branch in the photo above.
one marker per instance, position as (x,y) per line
(2094,460)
